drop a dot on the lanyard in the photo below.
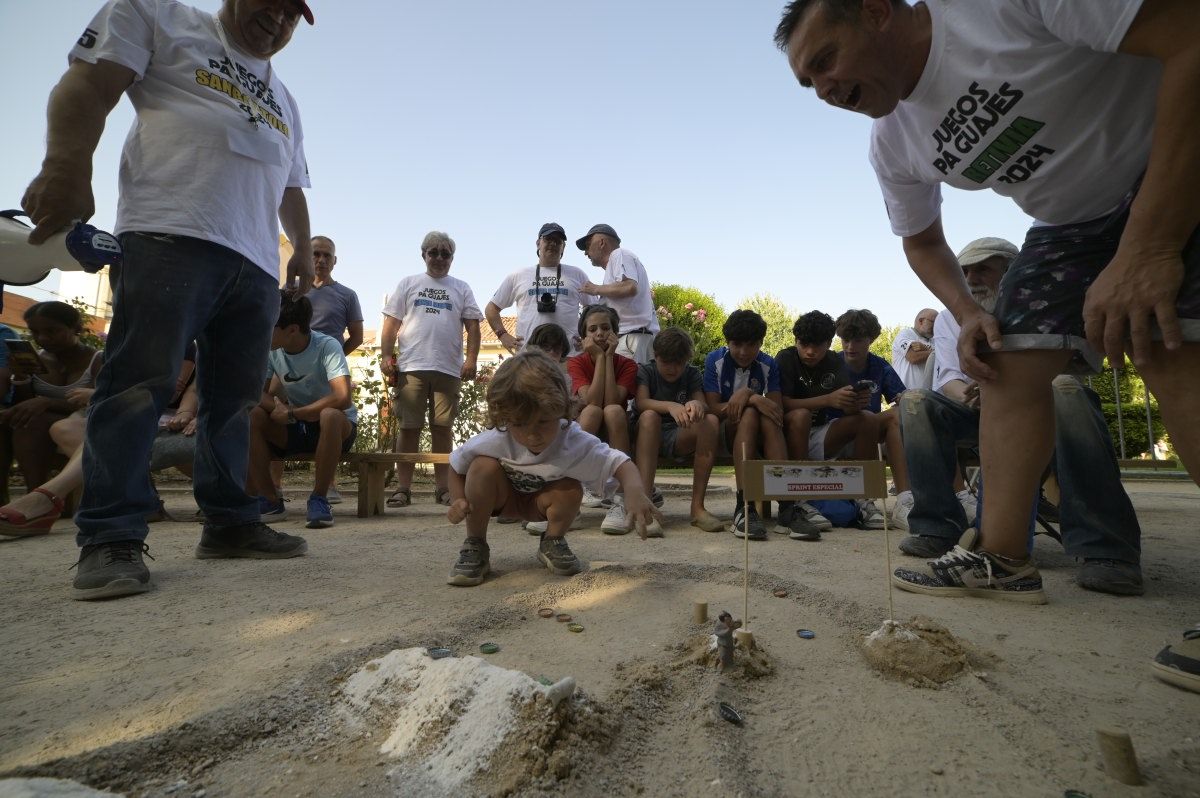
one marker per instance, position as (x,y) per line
(246,107)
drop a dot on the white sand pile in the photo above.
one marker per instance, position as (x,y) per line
(920,651)
(459,719)
(50,788)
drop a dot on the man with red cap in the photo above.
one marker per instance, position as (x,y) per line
(211,168)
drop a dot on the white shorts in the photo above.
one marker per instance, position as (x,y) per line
(816,445)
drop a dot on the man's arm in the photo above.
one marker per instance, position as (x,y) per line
(935,265)
(917,353)
(355,328)
(339,398)
(619,290)
(470,364)
(79,105)
(492,313)
(387,343)
(293,215)
(1142,281)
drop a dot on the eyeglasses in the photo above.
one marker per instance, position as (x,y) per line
(440,254)
(555,240)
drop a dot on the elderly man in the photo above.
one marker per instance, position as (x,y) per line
(626,289)
(1082,113)
(549,292)
(211,167)
(1098,522)
(912,351)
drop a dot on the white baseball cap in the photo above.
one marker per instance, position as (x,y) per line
(983,248)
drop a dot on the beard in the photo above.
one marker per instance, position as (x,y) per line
(986,299)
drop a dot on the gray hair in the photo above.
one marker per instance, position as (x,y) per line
(434,238)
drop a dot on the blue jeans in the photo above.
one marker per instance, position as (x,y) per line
(1097,517)
(171,290)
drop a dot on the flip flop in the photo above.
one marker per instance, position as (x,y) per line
(401,498)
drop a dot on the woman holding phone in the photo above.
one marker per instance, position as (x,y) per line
(39,400)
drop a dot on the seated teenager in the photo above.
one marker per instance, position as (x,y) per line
(673,421)
(741,386)
(306,409)
(602,383)
(873,376)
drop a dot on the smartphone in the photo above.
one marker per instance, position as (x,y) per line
(866,385)
(22,354)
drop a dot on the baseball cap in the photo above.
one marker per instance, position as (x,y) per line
(306,12)
(597,228)
(983,248)
(552,229)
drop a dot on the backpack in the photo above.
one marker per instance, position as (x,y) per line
(840,512)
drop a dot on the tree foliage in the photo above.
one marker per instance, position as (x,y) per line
(779,318)
(696,312)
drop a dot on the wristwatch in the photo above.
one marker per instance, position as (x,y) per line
(291,416)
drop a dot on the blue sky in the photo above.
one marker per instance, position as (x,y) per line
(676,122)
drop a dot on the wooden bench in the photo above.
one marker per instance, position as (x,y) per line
(372,468)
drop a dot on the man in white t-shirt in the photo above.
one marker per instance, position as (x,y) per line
(1083,113)
(912,351)
(424,319)
(212,166)
(549,292)
(626,288)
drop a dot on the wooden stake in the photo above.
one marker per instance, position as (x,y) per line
(887,548)
(746,547)
(699,611)
(1120,761)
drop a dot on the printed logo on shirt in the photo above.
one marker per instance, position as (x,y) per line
(755,385)
(88,39)
(218,82)
(289,377)
(827,380)
(523,481)
(964,130)
(434,300)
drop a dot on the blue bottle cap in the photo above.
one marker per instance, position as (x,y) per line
(807,634)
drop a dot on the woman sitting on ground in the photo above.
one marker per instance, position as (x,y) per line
(39,400)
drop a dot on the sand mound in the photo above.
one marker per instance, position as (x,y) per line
(459,719)
(919,651)
(702,650)
(49,788)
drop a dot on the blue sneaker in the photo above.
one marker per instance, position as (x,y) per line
(269,509)
(319,513)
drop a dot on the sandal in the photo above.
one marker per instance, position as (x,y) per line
(401,498)
(442,496)
(15,524)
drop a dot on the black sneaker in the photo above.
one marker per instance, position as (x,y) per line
(472,565)
(255,541)
(556,555)
(1117,577)
(746,523)
(108,570)
(657,498)
(927,547)
(799,526)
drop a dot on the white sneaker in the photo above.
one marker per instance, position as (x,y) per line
(814,517)
(615,522)
(904,505)
(540,527)
(970,506)
(592,500)
(334,496)
(869,514)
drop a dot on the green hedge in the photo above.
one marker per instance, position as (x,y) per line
(1134,416)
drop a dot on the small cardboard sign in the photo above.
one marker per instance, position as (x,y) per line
(801,480)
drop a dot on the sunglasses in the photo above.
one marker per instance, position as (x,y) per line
(442,254)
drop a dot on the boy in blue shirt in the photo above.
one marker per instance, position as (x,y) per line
(741,386)
(306,409)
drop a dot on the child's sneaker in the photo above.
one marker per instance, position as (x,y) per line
(334,496)
(869,514)
(615,522)
(794,524)
(1179,663)
(592,500)
(319,513)
(969,504)
(746,523)
(904,505)
(657,498)
(540,527)
(966,571)
(271,509)
(473,563)
(556,555)
(814,517)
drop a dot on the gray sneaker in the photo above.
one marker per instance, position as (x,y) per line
(473,564)
(927,547)
(108,570)
(556,555)
(255,541)
(796,524)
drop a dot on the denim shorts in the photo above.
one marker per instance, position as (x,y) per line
(303,436)
(1040,303)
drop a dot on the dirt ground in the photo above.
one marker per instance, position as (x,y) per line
(226,679)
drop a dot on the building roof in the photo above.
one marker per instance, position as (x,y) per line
(487,336)
(15,306)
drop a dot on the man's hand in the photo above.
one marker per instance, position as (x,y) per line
(60,194)
(387,365)
(300,268)
(971,396)
(768,409)
(844,399)
(511,342)
(1132,291)
(977,326)
(469,370)
(737,404)
(279,413)
(590,288)
(458,510)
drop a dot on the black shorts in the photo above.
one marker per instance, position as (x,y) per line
(303,436)
(1040,303)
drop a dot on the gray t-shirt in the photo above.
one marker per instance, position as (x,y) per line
(334,307)
(681,391)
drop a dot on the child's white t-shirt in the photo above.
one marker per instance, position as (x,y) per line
(193,164)
(1028,98)
(431,311)
(574,454)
